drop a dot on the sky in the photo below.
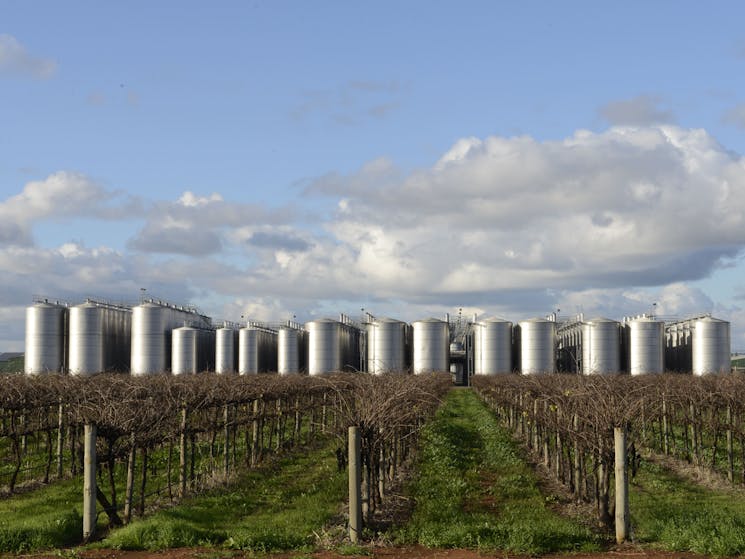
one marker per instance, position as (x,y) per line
(271,160)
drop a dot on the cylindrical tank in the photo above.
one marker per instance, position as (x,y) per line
(646,346)
(601,347)
(492,342)
(288,357)
(184,351)
(248,351)
(45,338)
(148,339)
(324,346)
(388,350)
(86,339)
(537,346)
(711,346)
(224,351)
(431,341)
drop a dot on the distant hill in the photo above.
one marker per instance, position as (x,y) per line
(11,364)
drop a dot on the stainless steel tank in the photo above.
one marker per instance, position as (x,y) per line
(268,350)
(288,354)
(184,351)
(87,339)
(492,347)
(537,346)
(711,346)
(248,351)
(45,338)
(224,351)
(601,346)
(324,346)
(646,346)
(149,339)
(386,346)
(431,341)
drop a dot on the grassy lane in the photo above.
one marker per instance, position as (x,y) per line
(267,510)
(680,516)
(474,490)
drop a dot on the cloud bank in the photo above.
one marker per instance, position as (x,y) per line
(602,222)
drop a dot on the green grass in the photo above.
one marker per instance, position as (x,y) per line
(46,518)
(475,490)
(678,515)
(267,510)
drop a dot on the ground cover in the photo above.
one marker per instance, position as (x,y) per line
(474,489)
(44,518)
(679,515)
(284,505)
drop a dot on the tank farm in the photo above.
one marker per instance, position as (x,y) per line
(155,337)
(582,394)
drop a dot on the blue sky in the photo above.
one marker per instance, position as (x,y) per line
(273,159)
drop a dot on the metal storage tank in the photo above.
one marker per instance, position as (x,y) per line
(149,340)
(288,354)
(45,338)
(492,347)
(646,346)
(184,351)
(387,350)
(86,339)
(248,351)
(711,346)
(537,346)
(601,346)
(268,350)
(224,351)
(324,346)
(431,341)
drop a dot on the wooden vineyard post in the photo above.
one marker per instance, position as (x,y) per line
(355,475)
(89,482)
(622,485)
(60,437)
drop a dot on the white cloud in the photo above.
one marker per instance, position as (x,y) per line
(16,60)
(605,223)
(629,206)
(191,200)
(62,195)
(196,225)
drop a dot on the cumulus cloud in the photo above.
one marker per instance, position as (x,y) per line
(642,110)
(629,206)
(197,225)
(602,223)
(16,60)
(61,195)
(672,302)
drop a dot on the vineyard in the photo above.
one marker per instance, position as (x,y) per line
(222,445)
